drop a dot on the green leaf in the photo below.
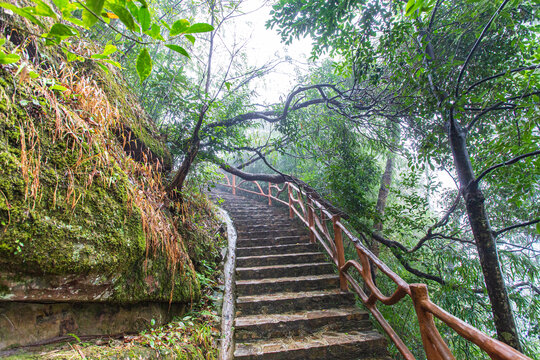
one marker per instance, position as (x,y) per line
(124,16)
(99,57)
(61,4)
(43,9)
(166,25)
(191,38)
(144,64)
(179,27)
(33,75)
(109,49)
(112,62)
(538,228)
(199,28)
(144,18)
(103,67)
(133,9)
(228,85)
(95,6)
(23,13)
(63,31)
(155,32)
(58,87)
(178,49)
(8,58)
(2,41)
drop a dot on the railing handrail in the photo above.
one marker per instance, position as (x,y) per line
(434,345)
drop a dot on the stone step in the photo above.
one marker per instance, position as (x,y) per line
(293,301)
(259,215)
(253,209)
(287,284)
(257,327)
(331,345)
(276,249)
(267,260)
(278,240)
(269,233)
(288,270)
(275,225)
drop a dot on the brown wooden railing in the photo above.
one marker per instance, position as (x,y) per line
(316,217)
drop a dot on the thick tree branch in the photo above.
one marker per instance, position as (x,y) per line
(506,163)
(480,82)
(499,232)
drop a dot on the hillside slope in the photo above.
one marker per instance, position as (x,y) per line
(89,242)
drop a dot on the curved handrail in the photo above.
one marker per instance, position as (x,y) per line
(434,345)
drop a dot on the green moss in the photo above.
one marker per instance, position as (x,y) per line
(99,234)
(141,127)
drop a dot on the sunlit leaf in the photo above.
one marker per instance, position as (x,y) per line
(61,4)
(23,13)
(109,49)
(179,27)
(199,28)
(8,58)
(63,31)
(144,18)
(178,49)
(191,38)
(43,9)
(133,9)
(124,16)
(92,11)
(58,87)
(144,64)
(112,62)
(155,32)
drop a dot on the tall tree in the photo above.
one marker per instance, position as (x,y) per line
(460,65)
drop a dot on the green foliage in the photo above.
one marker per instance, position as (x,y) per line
(141,27)
(421,51)
(144,64)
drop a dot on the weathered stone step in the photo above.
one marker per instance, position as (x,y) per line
(276,249)
(278,240)
(258,216)
(268,233)
(293,301)
(287,284)
(288,270)
(257,327)
(267,260)
(275,225)
(252,210)
(335,346)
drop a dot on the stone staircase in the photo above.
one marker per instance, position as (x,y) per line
(289,305)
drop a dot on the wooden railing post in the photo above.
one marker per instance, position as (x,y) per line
(434,345)
(234,184)
(269,194)
(311,220)
(291,213)
(338,240)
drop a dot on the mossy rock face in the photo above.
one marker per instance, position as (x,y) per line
(71,236)
(137,127)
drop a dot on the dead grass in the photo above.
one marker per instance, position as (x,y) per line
(85,119)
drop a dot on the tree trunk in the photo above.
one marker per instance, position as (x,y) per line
(483,236)
(386,181)
(194,145)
